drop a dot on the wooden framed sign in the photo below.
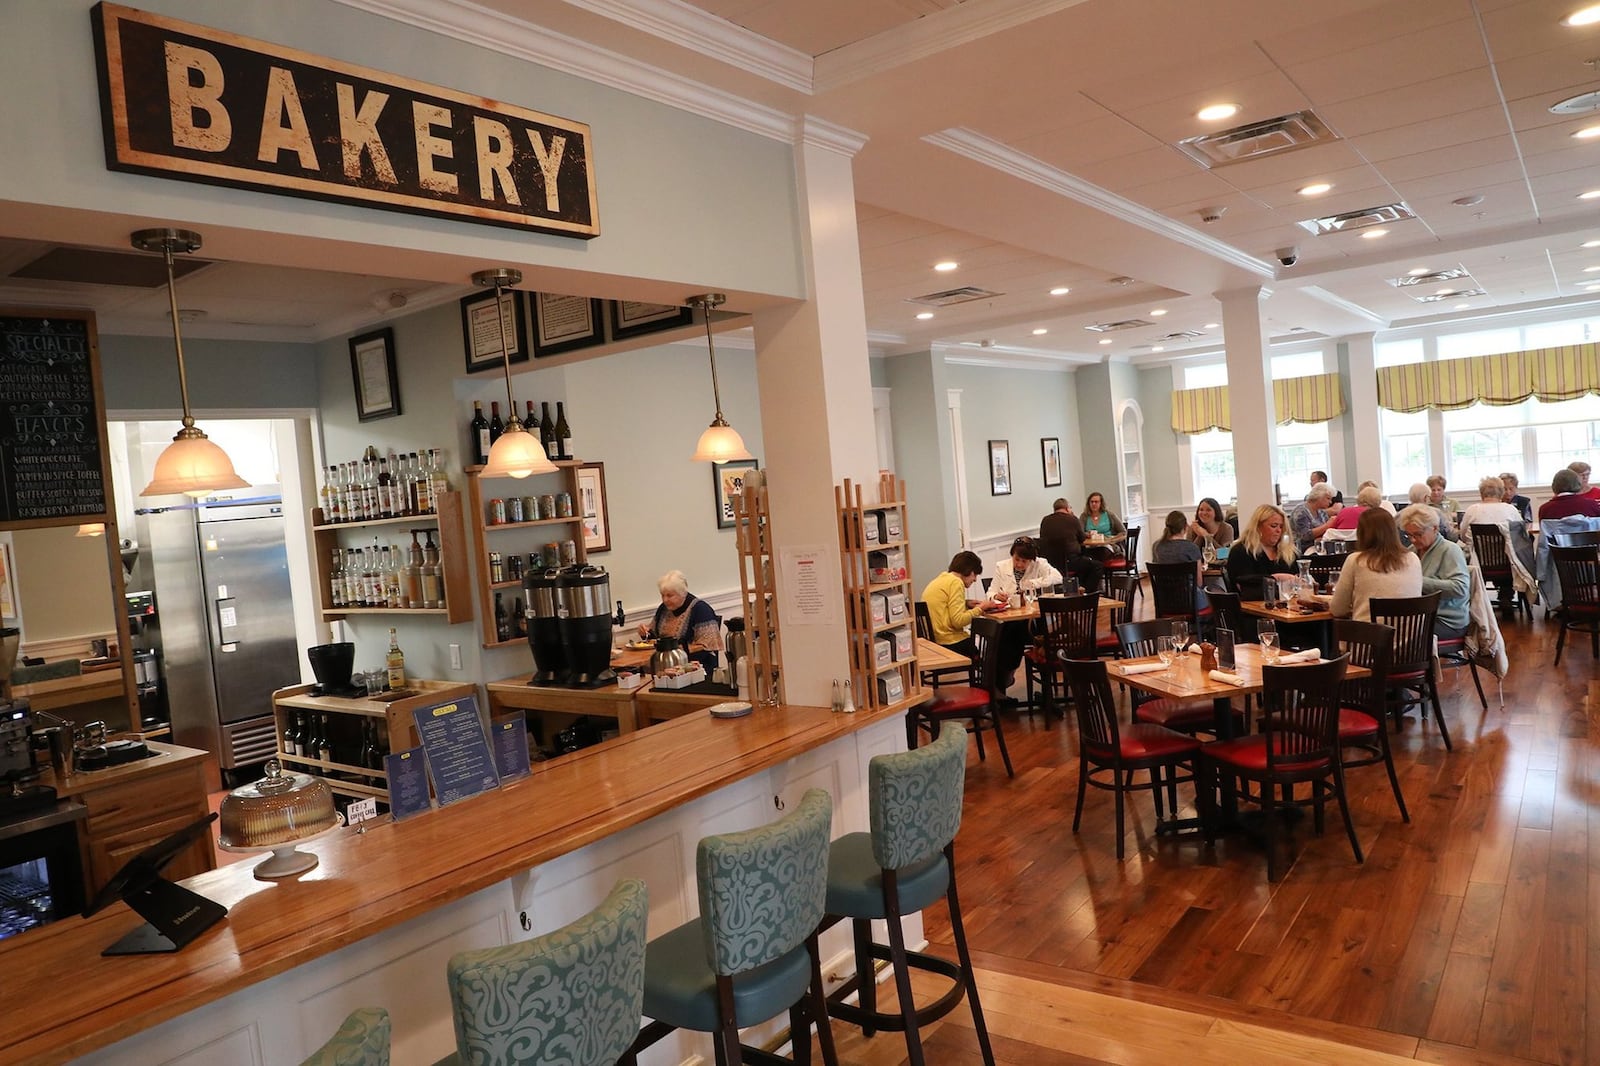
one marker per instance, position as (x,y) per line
(189,102)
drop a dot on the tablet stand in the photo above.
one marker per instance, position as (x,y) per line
(173,915)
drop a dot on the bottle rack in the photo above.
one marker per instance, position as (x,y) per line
(482,532)
(452,558)
(859,588)
(758,594)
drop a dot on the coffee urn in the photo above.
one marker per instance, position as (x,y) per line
(544,627)
(585,598)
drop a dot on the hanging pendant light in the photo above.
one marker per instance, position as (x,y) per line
(720,443)
(191,464)
(91,529)
(517,453)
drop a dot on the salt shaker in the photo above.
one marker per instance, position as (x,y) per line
(838,697)
(849,700)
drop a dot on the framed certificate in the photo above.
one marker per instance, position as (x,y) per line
(372,367)
(564,323)
(631,319)
(480,328)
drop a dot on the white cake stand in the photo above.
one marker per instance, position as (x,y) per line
(285,860)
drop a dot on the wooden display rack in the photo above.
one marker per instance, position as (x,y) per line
(758,593)
(859,589)
(452,556)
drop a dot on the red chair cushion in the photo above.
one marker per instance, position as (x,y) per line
(1116,562)
(1174,714)
(1106,640)
(1206,611)
(958,698)
(1454,644)
(1145,741)
(1250,753)
(1355,725)
(1035,655)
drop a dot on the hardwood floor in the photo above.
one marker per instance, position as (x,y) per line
(1467,936)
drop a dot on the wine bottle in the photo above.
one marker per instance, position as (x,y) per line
(547,432)
(432,574)
(517,619)
(563,431)
(502,623)
(324,749)
(480,434)
(497,424)
(291,737)
(531,423)
(369,750)
(395,660)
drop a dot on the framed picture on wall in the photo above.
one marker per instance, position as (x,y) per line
(999,468)
(564,323)
(592,508)
(728,482)
(1050,452)
(372,366)
(480,324)
(630,319)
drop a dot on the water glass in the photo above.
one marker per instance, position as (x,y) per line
(1164,652)
(1269,645)
(1180,636)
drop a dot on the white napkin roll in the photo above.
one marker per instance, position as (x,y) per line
(1309,655)
(1140,668)
(1227,678)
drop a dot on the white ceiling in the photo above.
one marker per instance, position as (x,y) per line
(1032,142)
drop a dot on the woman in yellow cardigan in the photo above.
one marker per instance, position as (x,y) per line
(949,608)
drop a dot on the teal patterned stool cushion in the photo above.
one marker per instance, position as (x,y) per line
(363,1040)
(855,880)
(681,990)
(915,800)
(762,892)
(572,997)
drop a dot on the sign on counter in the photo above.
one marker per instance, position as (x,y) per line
(511,746)
(457,750)
(408,783)
(52,445)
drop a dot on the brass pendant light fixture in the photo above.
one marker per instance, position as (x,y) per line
(720,443)
(191,464)
(517,453)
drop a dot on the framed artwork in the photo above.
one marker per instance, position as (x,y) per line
(564,323)
(728,481)
(372,367)
(999,468)
(1050,452)
(630,319)
(479,326)
(592,508)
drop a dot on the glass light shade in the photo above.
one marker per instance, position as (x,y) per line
(720,444)
(517,453)
(91,529)
(194,466)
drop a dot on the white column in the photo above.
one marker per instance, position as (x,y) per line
(1362,377)
(1255,438)
(816,399)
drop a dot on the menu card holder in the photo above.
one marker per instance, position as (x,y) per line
(1225,649)
(174,916)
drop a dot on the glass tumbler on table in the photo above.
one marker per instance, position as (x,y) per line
(1180,636)
(1164,652)
(1267,637)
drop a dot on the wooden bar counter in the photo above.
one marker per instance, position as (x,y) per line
(478,861)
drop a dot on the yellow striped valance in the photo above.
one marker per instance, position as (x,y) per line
(1313,398)
(1551,374)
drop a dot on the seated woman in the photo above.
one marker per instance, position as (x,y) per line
(1444,569)
(1514,497)
(1369,498)
(1210,528)
(687,619)
(1097,520)
(1312,518)
(1262,551)
(1379,566)
(1021,571)
(1174,546)
(950,609)
(1490,510)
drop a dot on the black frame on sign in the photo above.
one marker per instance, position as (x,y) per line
(482,303)
(641,321)
(1000,476)
(375,352)
(724,500)
(602,541)
(543,346)
(1045,446)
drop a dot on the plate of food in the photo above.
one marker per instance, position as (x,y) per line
(641,645)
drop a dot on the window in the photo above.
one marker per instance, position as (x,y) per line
(1212,456)
(1301,449)
(1299,365)
(1405,449)
(1482,440)
(1563,432)
(1484,342)
(1204,377)
(1396,353)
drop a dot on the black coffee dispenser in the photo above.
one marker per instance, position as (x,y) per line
(585,609)
(544,627)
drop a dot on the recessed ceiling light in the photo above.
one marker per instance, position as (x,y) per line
(1210,325)
(1592,288)
(1468,201)
(1158,312)
(1590,244)
(1105,340)
(1587,133)
(1158,348)
(1373,234)
(1040,332)
(923,316)
(1316,188)
(1443,292)
(1462,307)
(1592,194)
(1060,290)
(1417,272)
(1584,16)
(946,266)
(1217,112)
(1592,270)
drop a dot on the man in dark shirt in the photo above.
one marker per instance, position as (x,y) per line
(1061,540)
(1567,486)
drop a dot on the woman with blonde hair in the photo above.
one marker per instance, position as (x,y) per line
(1262,549)
(1380,566)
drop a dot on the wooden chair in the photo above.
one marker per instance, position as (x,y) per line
(1494,561)
(1298,744)
(1069,624)
(1138,641)
(1127,564)
(1578,570)
(1582,539)
(974,704)
(1230,616)
(1325,568)
(1117,754)
(1411,680)
(1361,725)
(938,675)
(1120,586)
(1173,589)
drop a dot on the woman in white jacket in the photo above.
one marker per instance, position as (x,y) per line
(1023,570)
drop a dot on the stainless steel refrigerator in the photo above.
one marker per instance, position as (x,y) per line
(227,623)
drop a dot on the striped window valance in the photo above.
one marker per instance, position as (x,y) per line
(1313,398)
(1551,374)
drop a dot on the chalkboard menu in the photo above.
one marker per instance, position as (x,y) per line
(52,447)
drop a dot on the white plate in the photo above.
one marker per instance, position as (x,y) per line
(735,709)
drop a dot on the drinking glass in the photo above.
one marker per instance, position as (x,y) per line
(1267,635)
(1164,652)
(1180,636)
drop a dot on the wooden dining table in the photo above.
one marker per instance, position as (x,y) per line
(1283,614)
(1030,612)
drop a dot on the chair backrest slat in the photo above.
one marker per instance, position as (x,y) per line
(1578,570)
(1094,705)
(1301,712)
(1369,645)
(1411,618)
(1069,625)
(1489,548)
(924,620)
(1173,588)
(985,664)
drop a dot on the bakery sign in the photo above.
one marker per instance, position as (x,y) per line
(184,101)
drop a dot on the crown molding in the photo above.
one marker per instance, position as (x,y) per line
(991,153)
(1317,292)
(821,133)
(718,38)
(497,32)
(1014,357)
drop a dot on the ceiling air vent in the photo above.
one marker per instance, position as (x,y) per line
(1351,220)
(1256,139)
(1437,277)
(965,294)
(1181,335)
(1436,297)
(90,266)
(1114,327)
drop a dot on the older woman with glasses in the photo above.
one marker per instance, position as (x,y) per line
(1444,569)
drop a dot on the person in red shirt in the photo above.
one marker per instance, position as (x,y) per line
(1581,468)
(1569,499)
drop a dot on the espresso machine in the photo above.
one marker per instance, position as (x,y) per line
(540,588)
(585,608)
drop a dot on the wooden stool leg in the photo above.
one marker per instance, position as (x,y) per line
(902,970)
(958,930)
(867,985)
(819,1005)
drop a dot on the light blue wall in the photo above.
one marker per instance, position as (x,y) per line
(141,374)
(923,458)
(1160,442)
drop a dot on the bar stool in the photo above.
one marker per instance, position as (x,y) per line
(363,1040)
(572,995)
(752,953)
(905,863)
